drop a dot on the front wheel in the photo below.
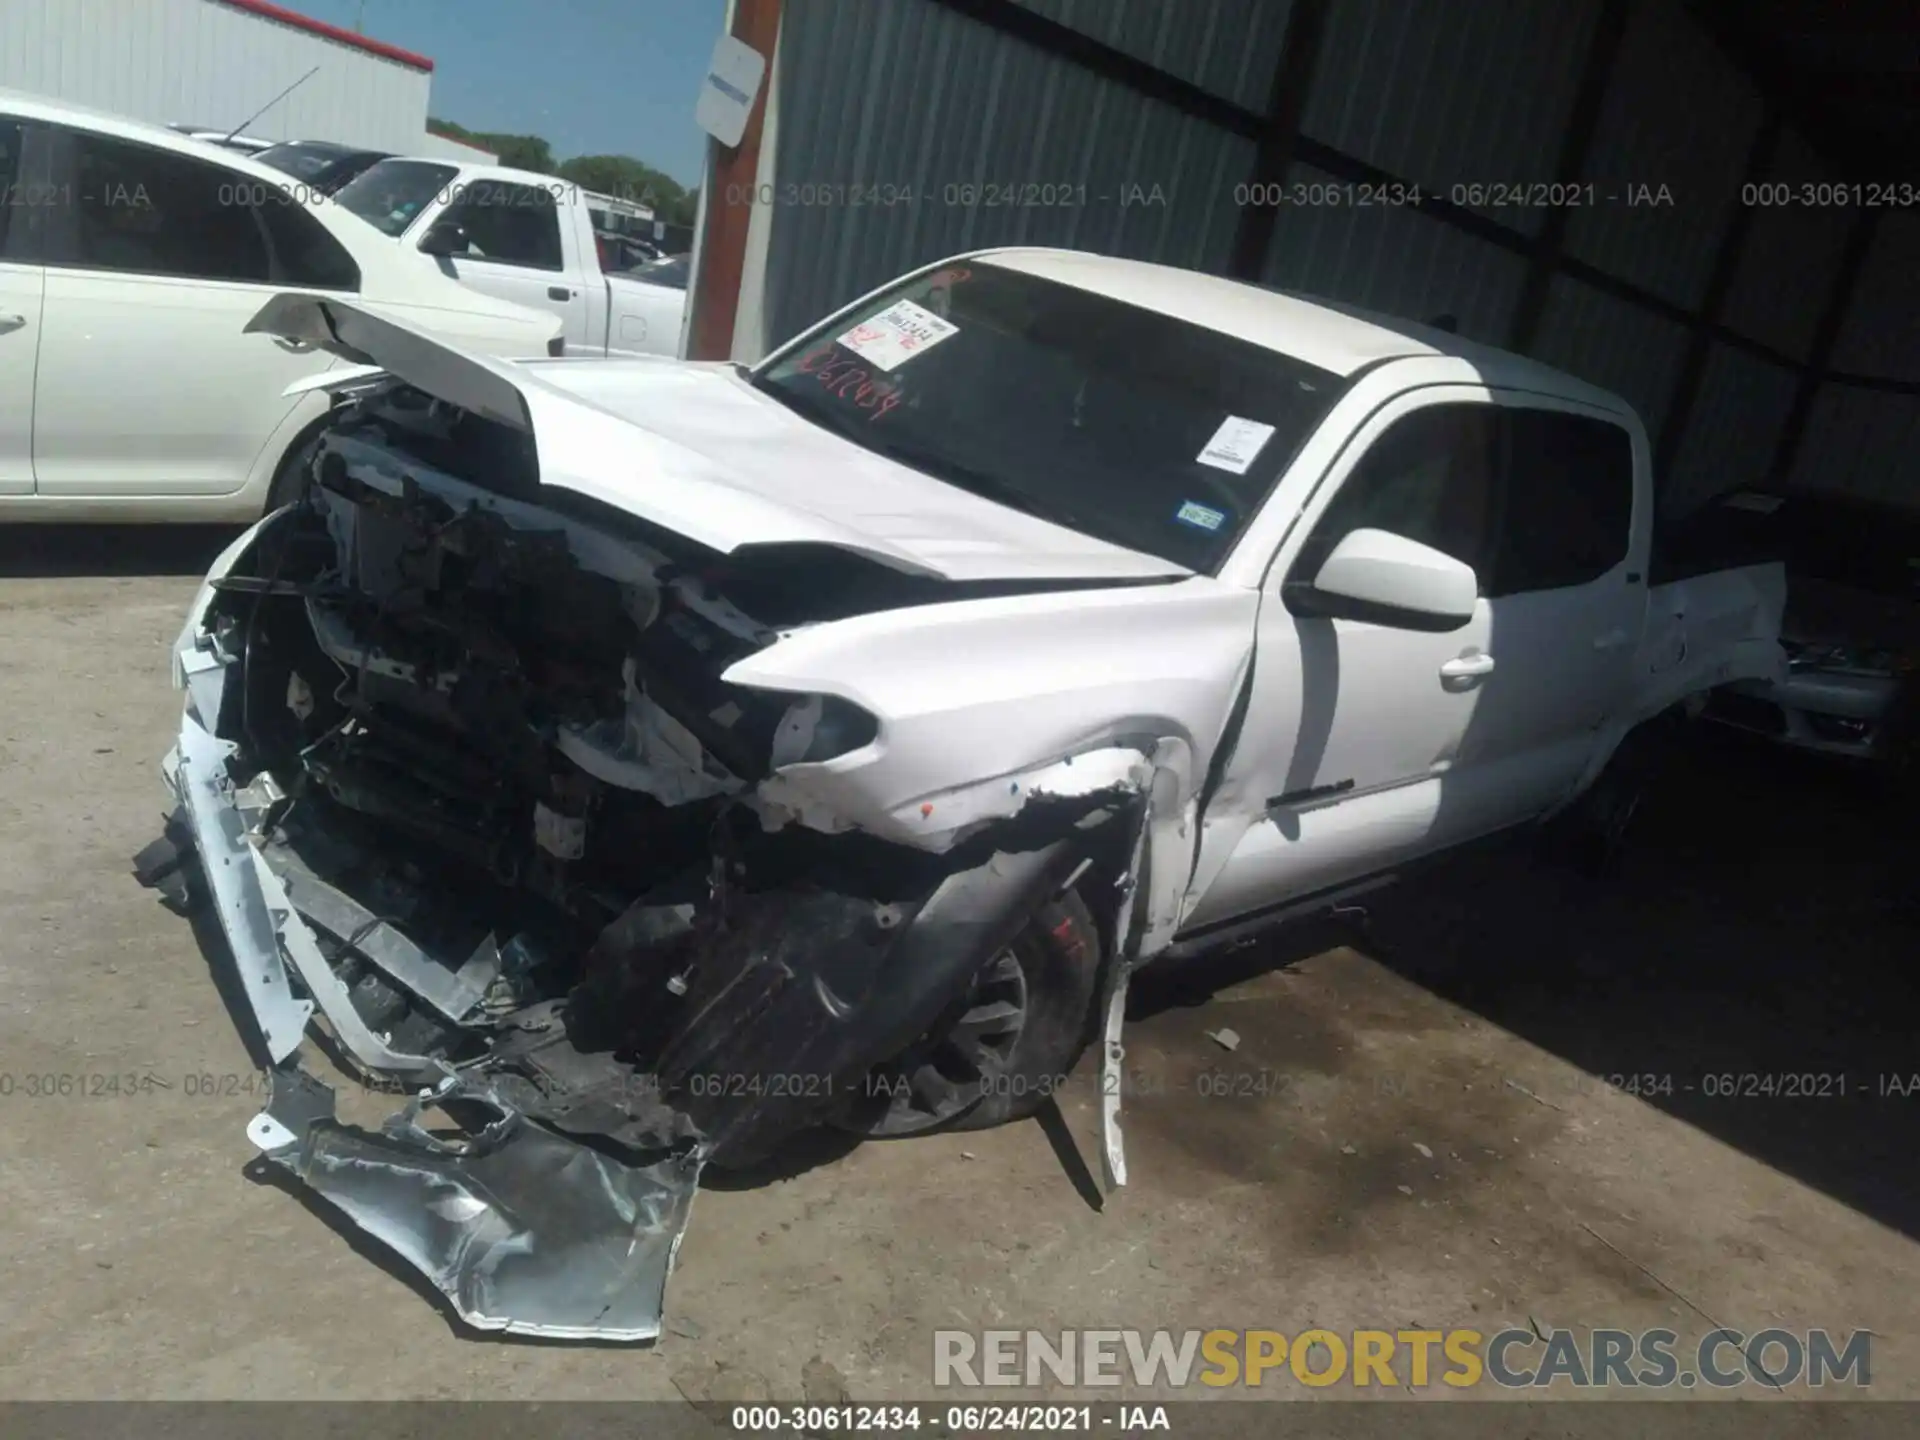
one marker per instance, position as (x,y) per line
(1593,832)
(1002,1048)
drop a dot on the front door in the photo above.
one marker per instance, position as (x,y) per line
(1350,757)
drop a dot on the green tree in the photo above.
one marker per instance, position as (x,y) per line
(624,178)
(521,152)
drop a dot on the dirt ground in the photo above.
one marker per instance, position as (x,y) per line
(1416,1128)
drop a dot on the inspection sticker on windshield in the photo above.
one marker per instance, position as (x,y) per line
(1203,516)
(897,334)
(1235,445)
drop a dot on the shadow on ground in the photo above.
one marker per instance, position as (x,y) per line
(80,550)
(1753,970)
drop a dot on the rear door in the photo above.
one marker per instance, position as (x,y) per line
(146,384)
(1566,594)
(22,280)
(514,250)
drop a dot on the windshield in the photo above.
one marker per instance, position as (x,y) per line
(391,195)
(1123,423)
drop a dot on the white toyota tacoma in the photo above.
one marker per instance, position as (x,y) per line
(647,762)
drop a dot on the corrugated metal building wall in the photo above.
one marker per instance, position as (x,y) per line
(1861,437)
(213,63)
(1661,285)
(916,96)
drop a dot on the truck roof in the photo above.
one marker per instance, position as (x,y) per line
(1329,334)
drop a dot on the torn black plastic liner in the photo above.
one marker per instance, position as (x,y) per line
(521,1229)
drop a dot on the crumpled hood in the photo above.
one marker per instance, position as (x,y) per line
(696,449)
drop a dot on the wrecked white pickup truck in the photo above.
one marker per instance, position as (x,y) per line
(642,763)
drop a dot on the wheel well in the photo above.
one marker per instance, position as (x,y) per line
(302,438)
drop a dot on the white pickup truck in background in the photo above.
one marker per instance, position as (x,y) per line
(524,237)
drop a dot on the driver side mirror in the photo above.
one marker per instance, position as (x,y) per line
(1377,576)
(444,237)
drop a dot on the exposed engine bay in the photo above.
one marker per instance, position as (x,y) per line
(463,754)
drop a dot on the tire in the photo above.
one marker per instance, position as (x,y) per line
(1593,833)
(1002,1049)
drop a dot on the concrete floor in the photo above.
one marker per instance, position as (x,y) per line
(1477,1019)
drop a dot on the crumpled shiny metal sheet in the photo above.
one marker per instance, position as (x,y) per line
(524,1230)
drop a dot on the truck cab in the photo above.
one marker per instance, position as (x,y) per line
(524,237)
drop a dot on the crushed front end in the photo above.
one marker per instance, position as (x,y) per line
(460,776)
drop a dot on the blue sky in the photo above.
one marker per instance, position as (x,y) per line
(596,77)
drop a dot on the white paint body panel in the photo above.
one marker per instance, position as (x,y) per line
(977,694)
(600,314)
(148,399)
(1362,745)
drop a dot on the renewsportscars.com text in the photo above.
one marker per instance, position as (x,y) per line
(1397,1359)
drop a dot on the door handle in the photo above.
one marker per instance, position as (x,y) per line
(9,323)
(292,346)
(1612,640)
(1467,667)
(559,292)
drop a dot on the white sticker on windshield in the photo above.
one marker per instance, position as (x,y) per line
(1235,445)
(897,334)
